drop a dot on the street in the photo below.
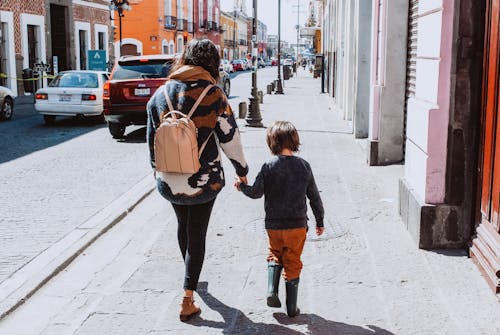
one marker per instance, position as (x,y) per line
(55,178)
(365,276)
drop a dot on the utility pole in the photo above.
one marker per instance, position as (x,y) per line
(279,86)
(254,119)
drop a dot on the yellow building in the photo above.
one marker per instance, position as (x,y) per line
(229,36)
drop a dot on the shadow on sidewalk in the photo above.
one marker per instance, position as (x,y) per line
(320,326)
(236,322)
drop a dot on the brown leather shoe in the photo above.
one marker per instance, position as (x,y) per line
(188,309)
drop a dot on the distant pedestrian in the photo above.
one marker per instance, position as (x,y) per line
(193,195)
(285,181)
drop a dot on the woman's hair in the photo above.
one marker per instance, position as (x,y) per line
(282,135)
(200,52)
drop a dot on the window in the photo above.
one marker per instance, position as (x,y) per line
(200,12)
(168,7)
(179,10)
(172,47)
(100,41)
(32,45)
(209,11)
(190,10)
(180,44)
(217,16)
(83,49)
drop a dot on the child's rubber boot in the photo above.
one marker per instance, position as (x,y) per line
(292,292)
(188,309)
(273,281)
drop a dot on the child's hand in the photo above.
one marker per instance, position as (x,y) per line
(320,230)
(237,183)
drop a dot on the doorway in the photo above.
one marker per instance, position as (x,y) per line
(485,249)
(58,33)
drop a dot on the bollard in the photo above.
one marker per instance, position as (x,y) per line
(261,97)
(242,110)
(269,89)
(273,85)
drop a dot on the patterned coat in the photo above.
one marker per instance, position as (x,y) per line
(214,114)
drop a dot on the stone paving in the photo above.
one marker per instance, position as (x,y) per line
(365,276)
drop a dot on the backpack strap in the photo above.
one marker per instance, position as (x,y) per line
(198,101)
(204,144)
(169,102)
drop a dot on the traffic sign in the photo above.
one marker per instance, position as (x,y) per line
(96,60)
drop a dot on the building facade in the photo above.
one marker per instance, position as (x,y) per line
(207,20)
(54,32)
(409,73)
(228,40)
(154,27)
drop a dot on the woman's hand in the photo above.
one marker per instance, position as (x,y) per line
(320,230)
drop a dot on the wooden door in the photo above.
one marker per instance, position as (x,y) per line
(485,248)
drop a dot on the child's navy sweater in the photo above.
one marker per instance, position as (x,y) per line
(285,181)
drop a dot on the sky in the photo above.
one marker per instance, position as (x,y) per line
(267,12)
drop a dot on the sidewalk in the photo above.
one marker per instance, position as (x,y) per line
(366,276)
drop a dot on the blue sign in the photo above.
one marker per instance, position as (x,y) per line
(96,60)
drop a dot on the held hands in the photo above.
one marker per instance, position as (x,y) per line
(240,180)
(320,230)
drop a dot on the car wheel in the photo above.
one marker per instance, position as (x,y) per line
(117,130)
(227,88)
(7,109)
(99,119)
(49,119)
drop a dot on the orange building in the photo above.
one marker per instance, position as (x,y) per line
(154,27)
(228,39)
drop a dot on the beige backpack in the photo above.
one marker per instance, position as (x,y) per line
(176,143)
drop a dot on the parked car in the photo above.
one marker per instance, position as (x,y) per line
(238,65)
(274,61)
(71,93)
(260,63)
(6,103)
(226,66)
(133,81)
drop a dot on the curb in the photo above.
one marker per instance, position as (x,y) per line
(26,281)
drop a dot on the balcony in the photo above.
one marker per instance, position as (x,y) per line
(170,22)
(181,24)
(190,27)
(213,25)
(242,42)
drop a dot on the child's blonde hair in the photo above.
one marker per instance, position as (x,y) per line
(282,135)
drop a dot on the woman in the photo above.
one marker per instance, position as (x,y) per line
(193,195)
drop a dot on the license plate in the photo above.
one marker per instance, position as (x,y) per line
(65,97)
(142,92)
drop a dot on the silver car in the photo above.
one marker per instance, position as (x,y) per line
(6,103)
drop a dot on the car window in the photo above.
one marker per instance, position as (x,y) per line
(104,78)
(75,79)
(142,69)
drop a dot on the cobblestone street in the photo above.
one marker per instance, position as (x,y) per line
(364,276)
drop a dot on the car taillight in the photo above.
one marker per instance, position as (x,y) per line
(88,97)
(41,96)
(105,90)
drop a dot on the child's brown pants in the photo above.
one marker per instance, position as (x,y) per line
(285,248)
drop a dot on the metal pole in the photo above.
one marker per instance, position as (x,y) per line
(254,119)
(298,27)
(279,89)
(234,36)
(120,20)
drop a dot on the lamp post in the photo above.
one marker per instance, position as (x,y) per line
(254,119)
(234,33)
(279,86)
(120,6)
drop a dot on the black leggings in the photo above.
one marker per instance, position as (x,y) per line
(191,234)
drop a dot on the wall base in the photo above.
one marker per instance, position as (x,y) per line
(431,226)
(485,252)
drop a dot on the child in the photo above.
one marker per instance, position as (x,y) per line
(285,181)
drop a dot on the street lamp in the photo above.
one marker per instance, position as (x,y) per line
(120,6)
(279,86)
(254,119)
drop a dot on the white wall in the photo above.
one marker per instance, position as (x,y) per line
(101,28)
